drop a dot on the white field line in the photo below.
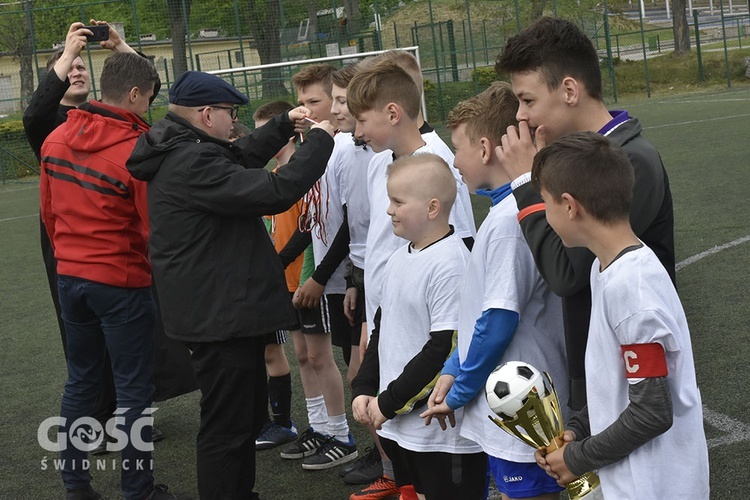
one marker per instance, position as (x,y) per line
(19,217)
(711,251)
(691,122)
(736,431)
(19,189)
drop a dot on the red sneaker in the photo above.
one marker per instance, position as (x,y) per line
(383,487)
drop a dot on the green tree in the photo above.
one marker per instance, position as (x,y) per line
(680,27)
(15,38)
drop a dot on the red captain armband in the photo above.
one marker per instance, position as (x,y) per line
(531,209)
(644,360)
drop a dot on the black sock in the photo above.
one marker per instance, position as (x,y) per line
(280,397)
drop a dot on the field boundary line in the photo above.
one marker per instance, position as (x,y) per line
(19,217)
(736,430)
(691,122)
(711,251)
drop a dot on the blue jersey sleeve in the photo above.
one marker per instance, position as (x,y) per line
(493,332)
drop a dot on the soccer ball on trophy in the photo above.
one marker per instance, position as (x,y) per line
(508,387)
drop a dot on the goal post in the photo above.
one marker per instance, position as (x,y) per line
(250,81)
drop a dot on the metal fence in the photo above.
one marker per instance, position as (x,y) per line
(458,42)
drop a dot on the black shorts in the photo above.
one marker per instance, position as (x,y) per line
(277,337)
(328,317)
(439,475)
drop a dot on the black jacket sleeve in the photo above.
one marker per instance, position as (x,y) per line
(411,389)
(565,270)
(367,380)
(648,415)
(264,142)
(297,244)
(41,116)
(337,252)
(217,184)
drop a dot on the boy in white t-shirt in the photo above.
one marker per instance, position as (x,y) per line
(507,312)
(385,100)
(643,425)
(413,335)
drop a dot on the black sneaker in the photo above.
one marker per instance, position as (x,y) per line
(274,435)
(346,469)
(332,453)
(370,468)
(305,445)
(161,492)
(86,493)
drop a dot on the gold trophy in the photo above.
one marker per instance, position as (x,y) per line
(529,409)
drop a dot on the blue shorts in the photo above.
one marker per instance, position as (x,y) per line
(521,480)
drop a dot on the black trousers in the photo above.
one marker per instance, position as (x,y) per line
(234,395)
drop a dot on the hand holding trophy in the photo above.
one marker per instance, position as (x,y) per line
(528,408)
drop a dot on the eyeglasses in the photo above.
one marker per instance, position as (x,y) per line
(232,111)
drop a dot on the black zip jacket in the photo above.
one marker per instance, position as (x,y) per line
(215,268)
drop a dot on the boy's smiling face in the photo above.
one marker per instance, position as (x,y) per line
(340,110)
(407,209)
(374,127)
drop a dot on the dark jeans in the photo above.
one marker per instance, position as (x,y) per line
(101,318)
(234,394)
(106,400)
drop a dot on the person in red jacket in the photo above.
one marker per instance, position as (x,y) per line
(96,218)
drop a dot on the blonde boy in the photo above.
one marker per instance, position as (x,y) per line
(644,408)
(506,311)
(413,335)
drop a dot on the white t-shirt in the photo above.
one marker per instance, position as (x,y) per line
(635,302)
(332,184)
(356,160)
(381,242)
(502,275)
(462,207)
(420,295)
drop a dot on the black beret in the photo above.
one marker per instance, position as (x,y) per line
(195,88)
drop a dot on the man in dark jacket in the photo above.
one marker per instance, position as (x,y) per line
(94,213)
(555,73)
(219,279)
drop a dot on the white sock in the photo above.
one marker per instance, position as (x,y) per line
(338,427)
(317,414)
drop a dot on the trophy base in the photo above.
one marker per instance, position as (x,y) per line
(586,491)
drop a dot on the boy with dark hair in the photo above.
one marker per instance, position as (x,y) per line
(506,311)
(95,215)
(644,407)
(413,335)
(555,73)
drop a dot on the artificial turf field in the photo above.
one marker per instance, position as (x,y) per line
(703,139)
